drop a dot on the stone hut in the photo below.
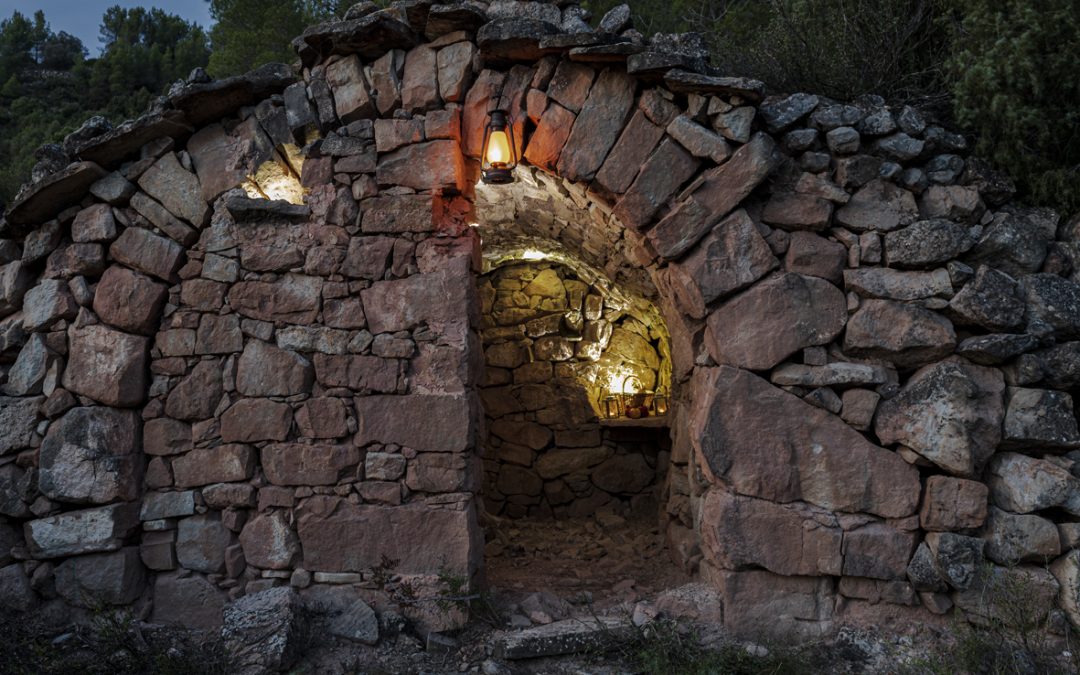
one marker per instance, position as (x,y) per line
(274,332)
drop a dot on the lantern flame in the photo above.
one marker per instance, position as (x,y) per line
(498,150)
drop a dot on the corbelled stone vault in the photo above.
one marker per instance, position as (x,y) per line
(244,336)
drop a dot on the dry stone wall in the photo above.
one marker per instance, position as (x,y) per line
(207,393)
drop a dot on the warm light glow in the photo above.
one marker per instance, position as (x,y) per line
(274,180)
(617,379)
(632,385)
(498,149)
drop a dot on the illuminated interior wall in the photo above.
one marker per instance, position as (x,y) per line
(557,348)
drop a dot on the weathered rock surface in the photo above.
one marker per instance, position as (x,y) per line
(1052,303)
(949,413)
(420,538)
(342,612)
(904,334)
(223,464)
(1023,484)
(1040,419)
(776,605)
(991,300)
(130,301)
(1066,571)
(269,542)
(93,530)
(928,243)
(148,253)
(191,602)
(569,636)
(423,422)
(90,581)
(301,464)
(720,191)
(768,444)
(876,282)
(263,631)
(265,370)
(91,456)
(829,375)
(953,504)
(201,542)
(732,256)
(196,397)
(790,539)
(1012,539)
(18,419)
(759,328)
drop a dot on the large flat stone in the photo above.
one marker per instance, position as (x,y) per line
(570,636)
(107,365)
(337,536)
(629,153)
(265,370)
(403,304)
(190,601)
(759,603)
(767,443)
(1023,484)
(302,464)
(294,298)
(427,423)
(660,177)
(222,464)
(177,189)
(77,532)
(762,326)
(597,126)
(434,165)
(733,256)
(719,191)
(101,579)
(369,37)
(92,455)
(903,334)
(950,413)
(50,196)
(125,140)
(148,253)
(211,101)
(789,539)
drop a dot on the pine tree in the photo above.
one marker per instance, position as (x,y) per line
(1016,85)
(249,33)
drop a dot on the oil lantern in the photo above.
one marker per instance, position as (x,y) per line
(499,155)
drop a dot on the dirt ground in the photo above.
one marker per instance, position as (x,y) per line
(606,558)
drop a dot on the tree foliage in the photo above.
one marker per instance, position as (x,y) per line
(1017,87)
(48,87)
(249,33)
(839,48)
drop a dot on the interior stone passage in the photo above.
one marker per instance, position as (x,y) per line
(563,366)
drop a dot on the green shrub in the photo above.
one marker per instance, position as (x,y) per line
(1017,87)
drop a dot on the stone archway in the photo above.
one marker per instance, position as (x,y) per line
(262,393)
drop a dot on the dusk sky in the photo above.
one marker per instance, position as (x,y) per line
(82,18)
